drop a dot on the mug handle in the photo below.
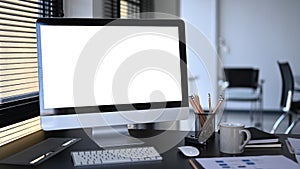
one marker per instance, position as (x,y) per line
(247,139)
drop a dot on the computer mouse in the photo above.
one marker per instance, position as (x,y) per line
(189,151)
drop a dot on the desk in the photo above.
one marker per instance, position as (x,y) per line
(171,158)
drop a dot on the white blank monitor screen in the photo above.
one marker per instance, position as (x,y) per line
(113,65)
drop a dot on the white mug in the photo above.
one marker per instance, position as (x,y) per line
(232,139)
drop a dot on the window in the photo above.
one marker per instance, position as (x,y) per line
(127,8)
(18,57)
(130,8)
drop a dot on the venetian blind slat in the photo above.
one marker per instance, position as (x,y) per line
(19,76)
(28,55)
(14,67)
(130,8)
(18,53)
(20,90)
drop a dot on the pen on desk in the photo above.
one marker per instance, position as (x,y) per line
(68,142)
(193,164)
(40,158)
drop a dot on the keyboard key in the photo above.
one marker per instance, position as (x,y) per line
(115,156)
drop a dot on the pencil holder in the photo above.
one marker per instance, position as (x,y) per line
(204,125)
(204,122)
(204,129)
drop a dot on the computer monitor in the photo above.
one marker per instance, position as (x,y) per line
(98,73)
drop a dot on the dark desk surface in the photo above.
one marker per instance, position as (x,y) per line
(171,157)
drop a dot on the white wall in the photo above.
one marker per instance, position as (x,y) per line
(258,33)
(200,18)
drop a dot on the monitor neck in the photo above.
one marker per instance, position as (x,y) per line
(113,136)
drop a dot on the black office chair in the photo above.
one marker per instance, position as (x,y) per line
(243,86)
(287,104)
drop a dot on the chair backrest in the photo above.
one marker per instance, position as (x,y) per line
(242,77)
(287,83)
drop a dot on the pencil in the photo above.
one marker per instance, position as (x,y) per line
(197,100)
(209,104)
(221,99)
(197,113)
(201,115)
(193,164)
(197,109)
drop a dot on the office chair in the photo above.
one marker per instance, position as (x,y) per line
(287,104)
(243,86)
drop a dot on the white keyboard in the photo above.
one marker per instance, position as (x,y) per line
(113,156)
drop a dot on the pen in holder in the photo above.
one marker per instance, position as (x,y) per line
(204,122)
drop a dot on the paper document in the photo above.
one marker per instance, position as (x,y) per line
(248,162)
(294,146)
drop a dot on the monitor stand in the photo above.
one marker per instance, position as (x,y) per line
(113,136)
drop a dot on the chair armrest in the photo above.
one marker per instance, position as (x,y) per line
(260,88)
(260,83)
(287,106)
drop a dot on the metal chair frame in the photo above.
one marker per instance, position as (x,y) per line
(247,78)
(286,102)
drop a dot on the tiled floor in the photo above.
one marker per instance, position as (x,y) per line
(269,119)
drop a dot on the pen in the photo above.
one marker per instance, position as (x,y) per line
(193,164)
(68,142)
(40,158)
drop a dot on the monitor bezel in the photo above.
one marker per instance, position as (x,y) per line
(115,22)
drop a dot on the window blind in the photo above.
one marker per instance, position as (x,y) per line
(130,8)
(112,8)
(127,8)
(18,57)
(18,53)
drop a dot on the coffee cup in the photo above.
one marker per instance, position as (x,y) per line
(232,140)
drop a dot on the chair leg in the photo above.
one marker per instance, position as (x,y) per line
(259,122)
(290,118)
(251,112)
(290,128)
(278,121)
(261,112)
(257,109)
